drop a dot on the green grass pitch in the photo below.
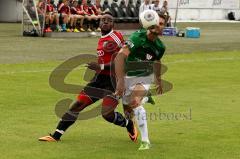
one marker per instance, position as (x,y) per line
(205,74)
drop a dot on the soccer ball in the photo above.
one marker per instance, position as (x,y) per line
(149,18)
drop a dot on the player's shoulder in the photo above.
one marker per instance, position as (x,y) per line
(138,35)
(159,43)
(117,33)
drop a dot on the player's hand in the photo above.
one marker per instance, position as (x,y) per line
(120,89)
(94,66)
(159,87)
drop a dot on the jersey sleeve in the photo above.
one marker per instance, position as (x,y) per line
(121,38)
(133,42)
(161,49)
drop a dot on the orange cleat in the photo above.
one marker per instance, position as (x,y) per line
(47,138)
(132,131)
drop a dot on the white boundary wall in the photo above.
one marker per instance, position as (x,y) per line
(10,11)
(204,9)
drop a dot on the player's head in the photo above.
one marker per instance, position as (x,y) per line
(106,22)
(162,22)
(149,19)
(153,22)
(158,29)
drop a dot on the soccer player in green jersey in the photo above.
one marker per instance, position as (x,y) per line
(143,49)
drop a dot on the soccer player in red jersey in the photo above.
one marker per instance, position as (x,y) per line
(64,13)
(75,16)
(98,6)
(95,14)
(91,14)
(104,81)
(51,15)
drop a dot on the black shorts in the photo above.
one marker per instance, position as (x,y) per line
(100,86)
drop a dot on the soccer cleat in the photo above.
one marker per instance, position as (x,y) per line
(69,30)
(47,138)
(82,30)
(58,29)
(144,146)
(132,131)
(89,30)
(45,31)
(150,100)
(98,29)
(76,30)
(48,30)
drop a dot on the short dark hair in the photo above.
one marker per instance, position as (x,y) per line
(161,15)
(107,13)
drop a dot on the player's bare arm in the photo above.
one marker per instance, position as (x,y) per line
(157,76)
(119,69)
(98,67)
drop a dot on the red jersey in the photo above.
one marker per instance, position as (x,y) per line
(80,10)
(62,8)
(92,10)
(73,10)
(85,8)
(41,7)
(50,8)
(108,46)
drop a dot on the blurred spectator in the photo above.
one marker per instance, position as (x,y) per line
(145,6)
(156,5)
(64,13)
(41,11)
(92,15)
(31,10)
(164,11)
(76,14)
(51,16)
(81,11)
(98,6)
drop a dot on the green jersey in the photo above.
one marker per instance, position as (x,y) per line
(142,54)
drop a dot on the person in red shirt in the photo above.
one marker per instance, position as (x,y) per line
(51,15)
(92,15)
(76,14)
(64,13)
(98,6)
(101,86)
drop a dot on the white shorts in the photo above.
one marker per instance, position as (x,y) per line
(131,82)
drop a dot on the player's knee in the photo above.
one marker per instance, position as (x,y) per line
(84,99)
(107,114)
(77,106)
(108,106)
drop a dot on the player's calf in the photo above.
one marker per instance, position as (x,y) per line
(108,106)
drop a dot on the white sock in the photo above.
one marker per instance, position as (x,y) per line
(141,117)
